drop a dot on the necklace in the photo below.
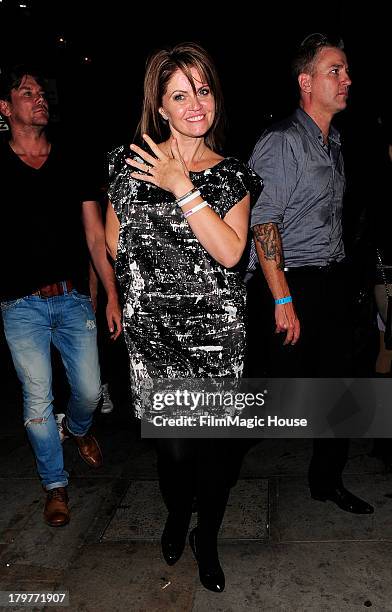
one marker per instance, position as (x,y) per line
(202,155)
(194,161)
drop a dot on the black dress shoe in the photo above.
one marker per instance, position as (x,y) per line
(210,572)
(173,541)
(344,499)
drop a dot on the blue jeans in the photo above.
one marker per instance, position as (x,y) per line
(30,325)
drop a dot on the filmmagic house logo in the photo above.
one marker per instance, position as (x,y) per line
(204,420)
(194,401)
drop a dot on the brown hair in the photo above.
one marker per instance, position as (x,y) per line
(12,77)
(305,57)
(160,67)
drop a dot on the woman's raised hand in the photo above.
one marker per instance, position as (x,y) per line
(164,171)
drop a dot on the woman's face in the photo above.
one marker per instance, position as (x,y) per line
(188,113)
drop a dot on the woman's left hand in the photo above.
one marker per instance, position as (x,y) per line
(169,173)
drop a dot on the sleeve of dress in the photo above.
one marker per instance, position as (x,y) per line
(239,181)
(118,180)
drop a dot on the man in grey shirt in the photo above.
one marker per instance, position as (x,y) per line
(297,224)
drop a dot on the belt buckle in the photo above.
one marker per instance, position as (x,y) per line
(54,289)
(50,291)
(39,293)
(47,291)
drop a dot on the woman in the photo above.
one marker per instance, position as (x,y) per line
(177,225)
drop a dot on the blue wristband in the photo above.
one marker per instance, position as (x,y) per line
(284,300)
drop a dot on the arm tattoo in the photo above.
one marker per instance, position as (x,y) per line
(268,237)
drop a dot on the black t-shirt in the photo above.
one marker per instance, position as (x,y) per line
(42,238)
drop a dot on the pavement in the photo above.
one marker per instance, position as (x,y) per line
(280,550)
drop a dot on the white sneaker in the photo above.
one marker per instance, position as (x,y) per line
(59,418)
(107,404)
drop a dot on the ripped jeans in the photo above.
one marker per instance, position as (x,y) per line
(31,324)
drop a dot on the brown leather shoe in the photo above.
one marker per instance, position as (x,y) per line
(56,512)
(88,447)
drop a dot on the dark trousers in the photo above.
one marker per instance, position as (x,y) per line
(322,302)
(201,468)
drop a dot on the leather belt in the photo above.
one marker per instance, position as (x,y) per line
(55,289)
(330,267)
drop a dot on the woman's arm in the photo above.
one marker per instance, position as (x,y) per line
(224,239)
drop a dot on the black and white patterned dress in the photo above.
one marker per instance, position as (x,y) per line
(183,311)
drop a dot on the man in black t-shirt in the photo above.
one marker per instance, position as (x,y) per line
(45,193)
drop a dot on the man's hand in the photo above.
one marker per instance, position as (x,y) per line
(286,321)
(113,317)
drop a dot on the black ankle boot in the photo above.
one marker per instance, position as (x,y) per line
(210,571)
(173,539)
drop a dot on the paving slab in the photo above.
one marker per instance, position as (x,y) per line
(20,498)
(297,517)
(142,513)
(16,459)
(144,464)
(302,577)
(119,577)
(28,541)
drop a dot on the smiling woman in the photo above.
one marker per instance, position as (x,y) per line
(188,105)
(177,226)
(193,87)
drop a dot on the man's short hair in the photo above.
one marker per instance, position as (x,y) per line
(11,78)
(304,59)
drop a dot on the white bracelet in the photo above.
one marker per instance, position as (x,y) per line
(185,195)
(186,199)
(192,211)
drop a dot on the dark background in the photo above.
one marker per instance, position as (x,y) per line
(99,68)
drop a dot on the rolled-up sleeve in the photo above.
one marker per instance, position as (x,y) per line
(274,161)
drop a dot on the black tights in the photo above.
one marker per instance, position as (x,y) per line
(201,468)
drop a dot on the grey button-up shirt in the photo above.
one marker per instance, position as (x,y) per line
(303,190)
